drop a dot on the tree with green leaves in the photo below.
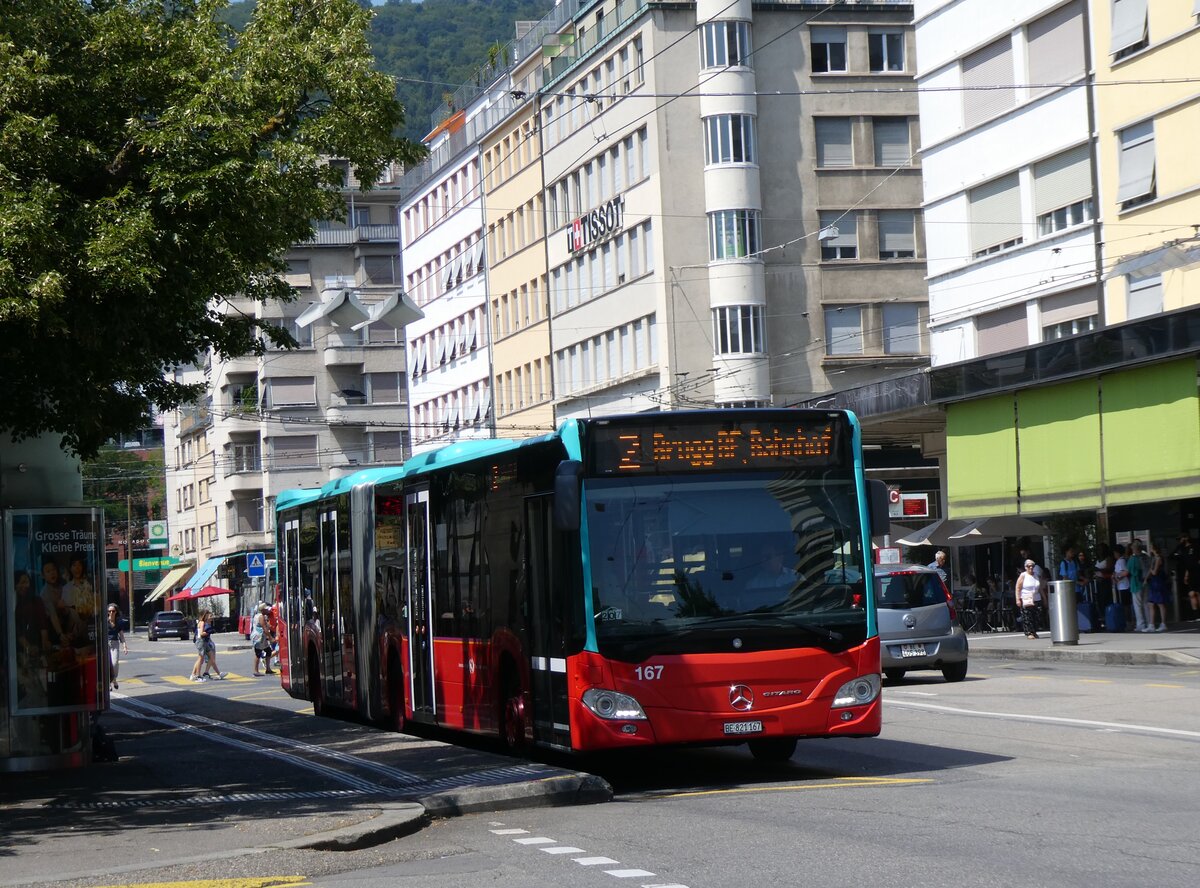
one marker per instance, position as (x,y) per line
(126,483)
(154,166)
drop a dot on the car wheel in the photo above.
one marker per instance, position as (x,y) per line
(152,638)
(773,749)
(894,675)
(955,671)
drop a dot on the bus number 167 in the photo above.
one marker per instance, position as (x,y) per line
(649,673)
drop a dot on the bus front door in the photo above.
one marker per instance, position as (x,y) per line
(547,627)
(329,611)
(420,608)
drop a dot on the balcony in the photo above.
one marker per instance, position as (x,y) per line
(358,234)
(194,417)
(342,348)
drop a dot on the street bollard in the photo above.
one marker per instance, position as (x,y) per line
(1064,619)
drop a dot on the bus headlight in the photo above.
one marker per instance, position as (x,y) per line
(612,706)
(860,692)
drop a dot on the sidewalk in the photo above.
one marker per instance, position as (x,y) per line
(1178,647)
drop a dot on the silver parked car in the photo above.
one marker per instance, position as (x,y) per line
(918,625)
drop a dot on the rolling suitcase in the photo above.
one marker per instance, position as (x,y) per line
(1086,616)
(1114,618)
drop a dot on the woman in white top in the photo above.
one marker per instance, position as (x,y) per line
(1029,597)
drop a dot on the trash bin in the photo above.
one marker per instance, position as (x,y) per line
(1064,622)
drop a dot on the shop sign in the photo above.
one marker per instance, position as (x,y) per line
(597,224)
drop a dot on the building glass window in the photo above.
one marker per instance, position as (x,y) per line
(1137,182)
(843,330)
(738,329)
(729,138)
(1070,328)
(1144,296)
(828,49)
(725,44)
(1066,217)
(733,234)
(897,237)
(885,50)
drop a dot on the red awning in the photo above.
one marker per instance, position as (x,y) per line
(205,592)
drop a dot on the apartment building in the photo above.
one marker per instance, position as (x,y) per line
(1059,193)
(293,418)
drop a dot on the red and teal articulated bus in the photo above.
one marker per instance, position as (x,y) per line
(662,578)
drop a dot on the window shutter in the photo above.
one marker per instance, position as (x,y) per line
(991,66)
(294,451)
(1062,180)
(1056,47)
(1145,297)
(1003,330)
(834,146)
(891,142)
(901,330)
(995,212)
(843,330)
(896,230)
(385,388)
(1069,306)
(286,390)
(1137,161)
(847,228)
(1128,24)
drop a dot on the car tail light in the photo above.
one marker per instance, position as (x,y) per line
(950,603)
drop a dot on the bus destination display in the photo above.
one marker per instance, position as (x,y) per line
(622,450)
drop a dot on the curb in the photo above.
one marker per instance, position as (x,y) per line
(567,789)
(1069,654)
(393,822)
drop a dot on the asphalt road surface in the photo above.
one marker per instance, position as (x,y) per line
(1026,774)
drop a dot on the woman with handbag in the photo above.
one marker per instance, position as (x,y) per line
(1028,591)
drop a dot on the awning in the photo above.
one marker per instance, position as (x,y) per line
(174,575)
(1151,263)
(202,592)
(205,573)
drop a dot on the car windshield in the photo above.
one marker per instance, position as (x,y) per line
(686,563)
(901,591)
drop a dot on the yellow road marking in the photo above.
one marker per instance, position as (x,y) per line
(1033,677)
(1096,681)
(1164,686)
(150,659)
(840,783)
(257,695)
(177,679)
(308,711)
(256,882)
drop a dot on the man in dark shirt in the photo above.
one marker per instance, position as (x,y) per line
(1187,570)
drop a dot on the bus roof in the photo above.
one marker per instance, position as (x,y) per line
(460,451)
(289,499)
(373,475)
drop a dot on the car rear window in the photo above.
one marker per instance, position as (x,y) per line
(169,617)
(901,591)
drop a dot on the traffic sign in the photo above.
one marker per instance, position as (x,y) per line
(144,564)
(256,565)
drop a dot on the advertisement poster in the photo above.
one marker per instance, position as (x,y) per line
(55,601)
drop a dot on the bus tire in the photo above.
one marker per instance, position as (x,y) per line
(316,692)
(512,711)
(773,749)
(395,675)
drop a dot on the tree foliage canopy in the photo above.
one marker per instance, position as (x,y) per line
(155,164)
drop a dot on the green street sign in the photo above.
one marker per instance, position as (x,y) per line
(144,564)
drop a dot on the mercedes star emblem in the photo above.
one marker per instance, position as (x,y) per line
(741,698)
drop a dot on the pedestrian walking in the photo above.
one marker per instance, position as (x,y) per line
(206,649)
(262,641)
(1028,592)
(1157,589)
(116,644)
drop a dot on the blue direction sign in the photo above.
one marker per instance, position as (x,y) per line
(256,565)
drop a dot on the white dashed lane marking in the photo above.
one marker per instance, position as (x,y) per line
(551,846)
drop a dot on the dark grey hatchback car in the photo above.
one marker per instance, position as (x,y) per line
(168,624)
(918,625)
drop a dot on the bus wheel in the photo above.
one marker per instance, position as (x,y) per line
(773,749)
(512,714)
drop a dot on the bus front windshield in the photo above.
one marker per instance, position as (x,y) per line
(695,563)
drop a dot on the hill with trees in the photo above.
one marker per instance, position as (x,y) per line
(432,47)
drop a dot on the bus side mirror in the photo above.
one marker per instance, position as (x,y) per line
(567,482)
(881,522)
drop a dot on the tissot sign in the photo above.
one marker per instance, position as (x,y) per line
(595,224)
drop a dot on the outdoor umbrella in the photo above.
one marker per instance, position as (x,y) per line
(999,528)
(936,534)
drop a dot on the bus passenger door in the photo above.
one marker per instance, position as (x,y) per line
(547,626)
(291,607)
(420,608)
(328,610)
